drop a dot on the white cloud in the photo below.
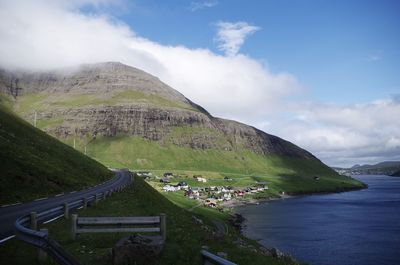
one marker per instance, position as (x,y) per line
(48,34)
(45,34)
(344,135)
(231,36)
(198,5)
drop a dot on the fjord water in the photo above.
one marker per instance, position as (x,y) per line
(351,228)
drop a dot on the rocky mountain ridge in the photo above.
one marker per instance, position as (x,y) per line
(108,99)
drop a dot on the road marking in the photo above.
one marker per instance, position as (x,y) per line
(61,194)
(7,238)
(51,220)
(73,191)
(80,208)
(41,199)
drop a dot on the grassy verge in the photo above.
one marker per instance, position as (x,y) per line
(184,236)
(38,164)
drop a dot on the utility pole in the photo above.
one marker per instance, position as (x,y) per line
(85,149)
(74,143)
(34,120)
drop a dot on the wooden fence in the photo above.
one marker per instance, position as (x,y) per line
(137,224)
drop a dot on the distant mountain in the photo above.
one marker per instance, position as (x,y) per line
(382,168)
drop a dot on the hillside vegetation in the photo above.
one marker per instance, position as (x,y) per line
(34,164)
(185,235)
(124,117)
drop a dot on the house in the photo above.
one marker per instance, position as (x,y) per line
(168,188)
(143,173)
(164,180)
(183,185)
(201,180)
(211,202)
(168,175)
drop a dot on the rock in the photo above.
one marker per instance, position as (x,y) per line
(137,248)
(277,253)
(197,220)
(119,99)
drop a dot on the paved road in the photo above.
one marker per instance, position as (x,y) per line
(9,214)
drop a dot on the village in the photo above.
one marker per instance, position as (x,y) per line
(210,196)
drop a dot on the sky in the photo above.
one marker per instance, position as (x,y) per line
(322,74)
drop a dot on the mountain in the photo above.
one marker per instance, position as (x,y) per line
(125,117)
(34,164)
(382,168)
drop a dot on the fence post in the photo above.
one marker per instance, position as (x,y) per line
(34,221)
(74,219)
(66,210)
(163,226)
(42,255)
(85,203)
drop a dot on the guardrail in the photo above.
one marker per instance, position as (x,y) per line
(210,259)
(26,226)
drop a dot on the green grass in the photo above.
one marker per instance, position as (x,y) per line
(184,237)
(27,103)
(34,164)
(138,153)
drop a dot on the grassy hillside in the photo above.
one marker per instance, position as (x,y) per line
(34,164)
(289,174)
(185,237)
(139,153)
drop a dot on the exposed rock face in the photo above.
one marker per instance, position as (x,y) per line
(118,99)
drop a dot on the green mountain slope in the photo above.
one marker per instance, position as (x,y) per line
(125,117)
(34,164)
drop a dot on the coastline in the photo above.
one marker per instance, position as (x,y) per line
(238,221)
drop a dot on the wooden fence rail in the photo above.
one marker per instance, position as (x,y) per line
(137,224)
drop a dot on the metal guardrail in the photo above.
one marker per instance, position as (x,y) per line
(209,259)
(40,239)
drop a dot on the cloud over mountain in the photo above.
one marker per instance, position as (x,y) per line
(46,34)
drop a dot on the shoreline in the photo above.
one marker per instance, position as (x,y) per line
(238,220)
(231,204)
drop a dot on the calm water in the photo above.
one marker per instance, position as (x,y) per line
(351,228)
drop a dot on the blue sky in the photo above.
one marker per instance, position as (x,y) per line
(322,74)
(343,51)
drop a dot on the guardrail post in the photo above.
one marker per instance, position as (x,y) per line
(34,225)
(42,255)
(163,226)
(74,219)
(66,210)
(85,202)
